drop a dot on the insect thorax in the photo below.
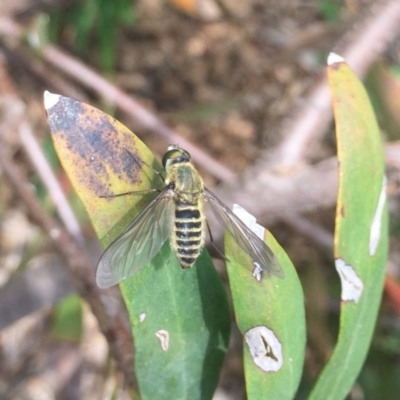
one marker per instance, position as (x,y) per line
(188,185)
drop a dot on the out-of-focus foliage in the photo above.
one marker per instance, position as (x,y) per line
(67,319)
(93,24)
(384,90)
(330,10)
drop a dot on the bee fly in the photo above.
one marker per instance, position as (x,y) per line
(177,213)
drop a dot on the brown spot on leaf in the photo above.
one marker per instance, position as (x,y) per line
(92,147)
(93,137)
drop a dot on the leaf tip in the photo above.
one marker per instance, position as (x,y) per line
(50,99)
(334,58)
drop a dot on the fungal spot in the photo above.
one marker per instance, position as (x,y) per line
(50,99)
(334,58)
(269,352)
(375,233)
(352,285)
(92,158)
(163,336)
(142,317)
(249,220)
(265,348)
(257,272)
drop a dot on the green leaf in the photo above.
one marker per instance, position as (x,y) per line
(330,10)
(175,316)
(66,324)
(180,318)
(265,310)
(361,235)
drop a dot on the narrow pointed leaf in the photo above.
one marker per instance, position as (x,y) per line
(180,318)
(361,235)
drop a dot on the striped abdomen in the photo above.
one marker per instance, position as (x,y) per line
(188,237)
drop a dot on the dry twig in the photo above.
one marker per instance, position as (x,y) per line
(106,90)
(360,48)
(113,326)
(106,309)
(48,178)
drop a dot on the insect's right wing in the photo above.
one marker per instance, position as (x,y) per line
(139,243)
(244,237)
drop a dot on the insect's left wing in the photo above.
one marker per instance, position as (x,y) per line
(139,243)
(244,237)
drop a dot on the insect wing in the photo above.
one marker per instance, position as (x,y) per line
(139,243)
(244,237)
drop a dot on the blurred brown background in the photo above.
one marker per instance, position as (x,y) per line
(243,83)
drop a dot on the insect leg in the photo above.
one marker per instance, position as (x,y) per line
(133,192)
(144,162)
(140,192)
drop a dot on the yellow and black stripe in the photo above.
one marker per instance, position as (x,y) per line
(189,233)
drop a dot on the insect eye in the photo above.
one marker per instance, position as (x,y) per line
(186,155)
(175,154)
(169,155)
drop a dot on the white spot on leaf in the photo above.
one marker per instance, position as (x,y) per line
(334,58)
(352,285)
(257,272)
(265,348)
(142,317)
(163,335)
(249,220)
(375,233)
(50,99)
